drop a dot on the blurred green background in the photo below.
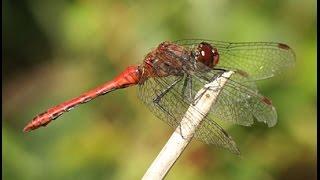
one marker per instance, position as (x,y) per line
(55,50)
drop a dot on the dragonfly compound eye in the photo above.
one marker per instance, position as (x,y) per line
(208,55)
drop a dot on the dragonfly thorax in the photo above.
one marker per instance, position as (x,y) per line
(171,59)
(167,59)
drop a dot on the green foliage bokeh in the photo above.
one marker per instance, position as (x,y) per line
(55,50)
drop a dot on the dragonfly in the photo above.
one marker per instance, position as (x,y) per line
(172,73)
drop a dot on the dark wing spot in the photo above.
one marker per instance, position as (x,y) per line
(242,73)
(225,133)
(267,100)
(283,46)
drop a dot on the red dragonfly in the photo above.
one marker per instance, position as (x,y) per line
(172,73)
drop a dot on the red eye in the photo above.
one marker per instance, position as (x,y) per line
(207,54)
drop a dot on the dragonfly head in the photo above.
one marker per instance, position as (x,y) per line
(207,54)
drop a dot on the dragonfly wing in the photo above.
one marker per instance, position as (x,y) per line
(172,106)
(239,102)
(231,105)
(260,60)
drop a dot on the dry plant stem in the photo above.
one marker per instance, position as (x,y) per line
(185,131)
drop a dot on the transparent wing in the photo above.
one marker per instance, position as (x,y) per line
(173,104)
(240,103)
(260,60)
(237,103)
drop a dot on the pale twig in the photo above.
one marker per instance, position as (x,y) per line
(183,134)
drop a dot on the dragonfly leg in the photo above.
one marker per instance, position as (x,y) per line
(215,76)
(221,71)
(163,93)
(187,86)
(187,82)
(196,99)
(173,124)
